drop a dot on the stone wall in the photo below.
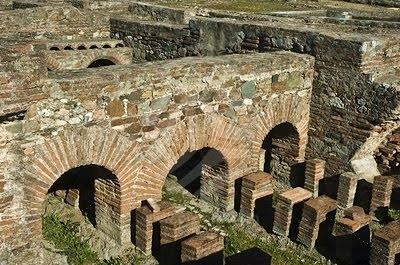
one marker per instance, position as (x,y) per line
(53,22)
(154,40)
(343,115)
(128,119)
(388,3)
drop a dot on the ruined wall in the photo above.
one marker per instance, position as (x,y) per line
(53,22)
(387,3)
(21,78)
(157,112)
(346,104)
(153,40)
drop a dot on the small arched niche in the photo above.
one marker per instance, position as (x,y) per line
(100,63)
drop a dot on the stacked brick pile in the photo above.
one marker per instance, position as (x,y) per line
(254,186)
(386,244)
(381,193)
(315,170)
(201,246)
(284,208)
(347,189)
(314,213)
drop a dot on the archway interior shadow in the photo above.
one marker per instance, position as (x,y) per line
(282,145)
(83,179)
(363,195)
(238,194)
(264,212)
(188,169)
(329,186)
(101,63)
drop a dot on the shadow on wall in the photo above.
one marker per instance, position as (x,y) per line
(188,169)
(83,179)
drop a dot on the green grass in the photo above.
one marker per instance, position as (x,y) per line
(394,214)
(65,238)
(238,239)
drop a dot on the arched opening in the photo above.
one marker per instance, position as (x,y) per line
(81,47)
(95,192)
(93,47)
(196,171)
(107,46)
(68,48)
(101,63)
(281,147)
(54,48)
(119,45)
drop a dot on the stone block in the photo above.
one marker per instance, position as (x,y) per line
(347,189)
(284,208)
(315,170)
(254,186)
(201,246)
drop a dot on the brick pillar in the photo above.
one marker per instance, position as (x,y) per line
(314,213)
(353,236)
(385,244)
(254,186)
(315,170)
(284,209)
(381,193)
(215,188)
(179,226)
(347,189)
(174,230)
(205,248)
(145,218)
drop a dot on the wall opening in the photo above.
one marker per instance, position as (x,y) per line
(93,47)
(95,191)
(281,147)
(106,46)
(238,194)
(188,169)
(14,116)
(119,45)
(101,63)
(68,48)
(81,47)
(54,48)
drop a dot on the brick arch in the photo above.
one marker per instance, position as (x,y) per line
(193,134)
(287,109)
(98,55)
(76,147)
(51,63)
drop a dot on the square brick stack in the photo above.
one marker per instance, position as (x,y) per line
(347,189)
(201,246)
(254,186)
(315,170)
(354,219)
(179,226)
(314,213)
(381,193)
(385,244)
(145,218)
(284,208)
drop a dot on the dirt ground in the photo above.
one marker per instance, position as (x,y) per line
(262,6)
